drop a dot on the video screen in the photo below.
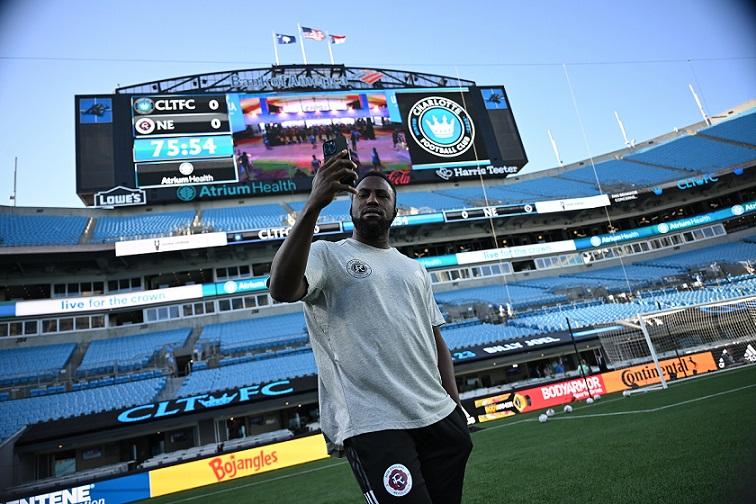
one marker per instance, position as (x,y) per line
(280,137)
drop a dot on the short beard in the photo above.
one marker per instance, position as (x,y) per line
(371,228)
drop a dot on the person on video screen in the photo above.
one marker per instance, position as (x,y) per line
(388,399)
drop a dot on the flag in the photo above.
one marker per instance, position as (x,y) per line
(285,39)
(312,33)
(338,39)
(371,77)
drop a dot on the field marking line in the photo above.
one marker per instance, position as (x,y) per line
(255,483)
(660,408)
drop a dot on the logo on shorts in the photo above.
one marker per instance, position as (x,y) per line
(359,269)
(397,480)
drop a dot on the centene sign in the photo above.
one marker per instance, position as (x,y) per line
(77,495)
(109,302)
(203,401)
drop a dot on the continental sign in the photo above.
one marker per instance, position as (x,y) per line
(554,394)
(228,467)
(646,374)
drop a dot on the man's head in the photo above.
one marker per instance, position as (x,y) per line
(374,206)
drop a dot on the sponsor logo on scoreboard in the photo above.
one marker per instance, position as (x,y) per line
(120,196)
(219,191)
(459,172)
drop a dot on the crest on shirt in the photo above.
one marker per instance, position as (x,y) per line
(359,268)
(397,480)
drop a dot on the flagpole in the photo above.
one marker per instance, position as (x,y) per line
(301,43)
(330,50)
(275,47)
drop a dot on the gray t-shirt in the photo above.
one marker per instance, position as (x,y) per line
(370,314)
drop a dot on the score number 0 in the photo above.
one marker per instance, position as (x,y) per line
(174,148)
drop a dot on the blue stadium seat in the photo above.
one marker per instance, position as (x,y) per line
(481,334)
(695,154)
(244,217)
(429,202)
(39,230)
(34,363)
(127,353)
(547,187)
(248,373)
(337,210)
(257,333)
(20,412)
(623,173)
(741,128)
(726,253)
(111,229)
(501,294)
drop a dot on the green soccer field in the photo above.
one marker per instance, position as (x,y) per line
(694,442)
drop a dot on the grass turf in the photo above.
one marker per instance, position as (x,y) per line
(663,446)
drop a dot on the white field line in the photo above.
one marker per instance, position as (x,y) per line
(660,408)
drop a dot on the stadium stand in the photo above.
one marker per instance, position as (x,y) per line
(480,334)
(248,373)
(39,230)
(111,229)
(20,412)
(244,218)
(33,364)
(548,187)
(517,295)
(741,128)
(623,173)
(337,210)
(724,253)
(694,153)
(128,352)
(432,201)
(257,333)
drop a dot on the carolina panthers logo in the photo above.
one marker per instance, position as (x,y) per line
(359,269)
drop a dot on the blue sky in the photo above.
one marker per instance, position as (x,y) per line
(633,57)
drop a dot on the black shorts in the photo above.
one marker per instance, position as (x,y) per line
(425,465)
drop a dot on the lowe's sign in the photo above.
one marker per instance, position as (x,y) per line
(204,401)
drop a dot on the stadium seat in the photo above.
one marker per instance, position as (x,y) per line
(38,230)
(249,373)
(695,154)
(257,333)
(111,229)
(20,412)
(244,217)
(34,363)
(128,353)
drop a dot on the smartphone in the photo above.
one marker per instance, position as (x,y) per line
(333,147)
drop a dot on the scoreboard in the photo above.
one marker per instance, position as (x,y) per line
(182,141)
(198,147)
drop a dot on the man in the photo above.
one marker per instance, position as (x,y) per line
(386,381)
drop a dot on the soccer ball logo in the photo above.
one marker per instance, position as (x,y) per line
(397,480)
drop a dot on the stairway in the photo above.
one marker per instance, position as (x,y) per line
(172,386)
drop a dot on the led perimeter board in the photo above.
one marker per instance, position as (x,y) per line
(240,141)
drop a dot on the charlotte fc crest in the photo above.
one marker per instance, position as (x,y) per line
(441,126)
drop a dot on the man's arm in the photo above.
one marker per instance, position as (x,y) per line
(445,366)
(287,281)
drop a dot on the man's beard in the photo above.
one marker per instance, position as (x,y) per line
(372,228)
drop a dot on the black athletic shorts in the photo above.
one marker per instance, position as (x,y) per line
(425,465)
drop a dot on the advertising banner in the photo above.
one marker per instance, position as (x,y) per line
(113,491)
(109,302)
(536,398)
(169,244)
(569,205)
(231,466)
(646,374)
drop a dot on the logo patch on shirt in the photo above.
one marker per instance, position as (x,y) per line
(397,480)
(359,268)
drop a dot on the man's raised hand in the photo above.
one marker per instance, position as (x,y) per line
(336,175)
